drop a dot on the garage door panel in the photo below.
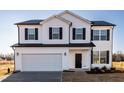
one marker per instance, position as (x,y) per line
(41,62)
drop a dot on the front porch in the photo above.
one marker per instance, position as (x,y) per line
(80,59)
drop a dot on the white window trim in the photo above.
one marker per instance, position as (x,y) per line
(101,35)
(99,52)
(58,32)
(79,34)
(100,31)
(98,35)
(31,34)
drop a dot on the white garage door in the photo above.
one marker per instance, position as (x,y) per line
(41,62)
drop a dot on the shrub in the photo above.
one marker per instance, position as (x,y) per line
(104,68)
(97,70)
(113,68)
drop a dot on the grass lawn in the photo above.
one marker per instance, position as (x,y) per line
(118,65)
(4,65)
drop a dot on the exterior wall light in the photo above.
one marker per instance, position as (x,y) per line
(17,54)
(65,53)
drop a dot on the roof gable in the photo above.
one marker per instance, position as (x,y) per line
(58,17)
(75,15)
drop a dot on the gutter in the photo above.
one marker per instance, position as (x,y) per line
(69,31)
(14,57)
(112,42)
(18,34)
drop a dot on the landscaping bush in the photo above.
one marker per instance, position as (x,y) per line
(113,68)
(104,68)
(95,70)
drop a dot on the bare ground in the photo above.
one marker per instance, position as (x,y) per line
(84,77)
(4,65)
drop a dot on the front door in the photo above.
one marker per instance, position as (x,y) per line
(78,60)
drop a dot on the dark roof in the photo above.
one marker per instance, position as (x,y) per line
(55,45)
(102,23)
(30,22)
(37,22)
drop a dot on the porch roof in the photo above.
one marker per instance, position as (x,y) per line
(55,45)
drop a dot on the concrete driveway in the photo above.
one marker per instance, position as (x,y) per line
(34,77)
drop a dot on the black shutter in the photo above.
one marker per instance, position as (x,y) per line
(50,33)
(91,56)
(107,57)
(36,33)
(91,34)
(108,34)
(84,33)
(60,32)
(73,33)
(26,33)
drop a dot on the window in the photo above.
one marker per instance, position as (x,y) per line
(96,57)
(96,35)
(100,57)
(79,33)
(55,33)
(103,34)
(31,34)
(103,57)
(99,34)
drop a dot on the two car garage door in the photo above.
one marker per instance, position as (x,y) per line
(41,62)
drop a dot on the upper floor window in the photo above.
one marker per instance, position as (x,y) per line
(79,33)
(31,33)
(96,35)
(55,33)
(100,57)
(103,35)
(100,34)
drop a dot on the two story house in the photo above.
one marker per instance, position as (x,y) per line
(62,42)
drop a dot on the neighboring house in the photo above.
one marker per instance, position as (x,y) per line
(63,42)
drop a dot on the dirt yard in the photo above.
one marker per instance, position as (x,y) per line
(4,65)
(84,77)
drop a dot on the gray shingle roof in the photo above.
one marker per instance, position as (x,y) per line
(30,22)
(37,22)
(102,23)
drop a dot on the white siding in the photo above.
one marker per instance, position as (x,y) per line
(104,45)
(21,51)
(22,33)
(68,59)
(77,23)
(54,22)
(86,57)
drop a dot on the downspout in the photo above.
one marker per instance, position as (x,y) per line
(91,49)
(69,31)
(112,43)
(14,57)
(18,35)
(14,47)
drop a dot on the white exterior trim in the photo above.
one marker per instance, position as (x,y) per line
(55,16)
(77,16)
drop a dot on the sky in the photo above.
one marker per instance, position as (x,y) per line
(9,31)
